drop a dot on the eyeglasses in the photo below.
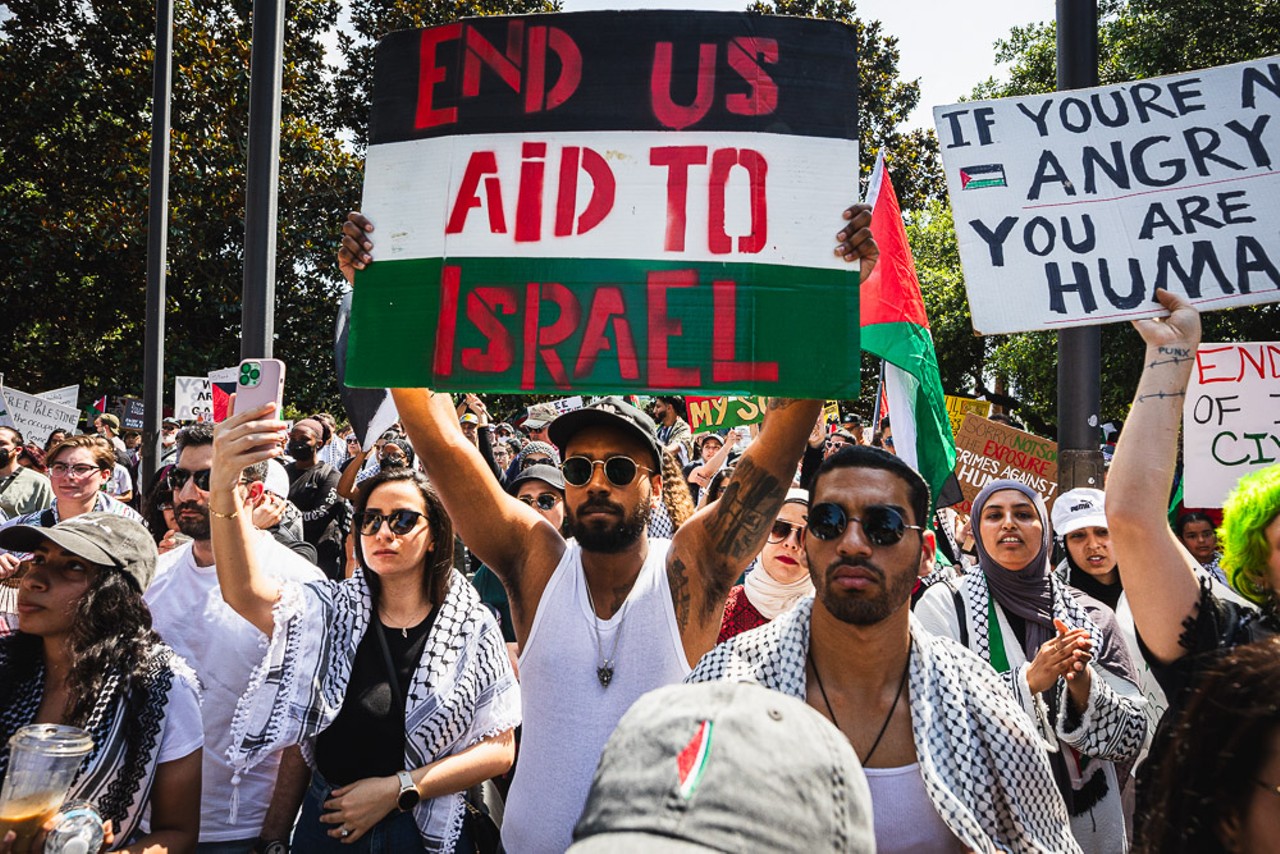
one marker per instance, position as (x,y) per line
(400,522)
(167,505)
(535,461)
(178,477)
(781,530)
(884,526)
(77,472)
(545,501)
(620,470)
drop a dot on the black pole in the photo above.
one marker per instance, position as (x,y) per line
(157,244)
(1079,349)
(258,312)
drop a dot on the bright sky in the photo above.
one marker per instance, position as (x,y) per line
(948,45)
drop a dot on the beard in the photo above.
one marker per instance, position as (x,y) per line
(608,537)
(197,528)
(862,608)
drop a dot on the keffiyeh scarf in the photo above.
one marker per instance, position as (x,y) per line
(462,691)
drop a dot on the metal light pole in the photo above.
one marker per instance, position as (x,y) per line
(157,243)
(1079,349)
(259,293)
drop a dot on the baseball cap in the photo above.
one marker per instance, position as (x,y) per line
(852,418)
(1078,508)
(110,420)
(277,479)
(170,422)
(469,418)
(540,415)
(725,766)
(609,411)
(548,474)
(103,539)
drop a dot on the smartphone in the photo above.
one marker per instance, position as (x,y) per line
(260,381)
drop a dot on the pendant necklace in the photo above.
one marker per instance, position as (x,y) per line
(831,713)
(604,670)
(404,630)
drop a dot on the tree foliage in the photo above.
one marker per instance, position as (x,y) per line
(75,110)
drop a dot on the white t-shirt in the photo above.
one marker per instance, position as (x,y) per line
(906,821)
(120,482)
(188,611)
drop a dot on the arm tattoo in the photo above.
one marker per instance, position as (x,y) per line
(776,403)
(678,580)
(1160,395)
(745,511)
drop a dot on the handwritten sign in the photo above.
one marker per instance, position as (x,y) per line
(987,450)
(192,399)
(568,404)
(611,202)
(1072,208)
(37,417)
(959,407)
(134,414)
(222,384)
(1231,418)
(65,396)
(711,413)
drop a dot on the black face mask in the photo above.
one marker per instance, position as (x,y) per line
(5,456)
(301,450)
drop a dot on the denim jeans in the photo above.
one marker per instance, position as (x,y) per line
(395,834)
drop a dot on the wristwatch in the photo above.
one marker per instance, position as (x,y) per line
(409,796)
(274,846)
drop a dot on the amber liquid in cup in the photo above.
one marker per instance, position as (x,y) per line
(43,761)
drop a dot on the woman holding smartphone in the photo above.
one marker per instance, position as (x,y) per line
(1064,660)
(397,678)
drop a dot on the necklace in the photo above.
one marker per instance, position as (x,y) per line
(884,726)
(404,630)
(604,670)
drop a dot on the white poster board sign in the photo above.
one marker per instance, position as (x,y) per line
(568,404)
(1072,208)
(192,399)
(37,417)
(1231,419)
(66,396)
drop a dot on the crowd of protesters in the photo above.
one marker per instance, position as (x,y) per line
(286,641)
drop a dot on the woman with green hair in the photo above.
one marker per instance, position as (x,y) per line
(1250,536)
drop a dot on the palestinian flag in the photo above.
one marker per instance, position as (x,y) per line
(94,409)
(896,328)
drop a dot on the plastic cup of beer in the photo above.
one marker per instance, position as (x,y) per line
(43,760)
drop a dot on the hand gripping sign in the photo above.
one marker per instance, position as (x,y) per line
(614,201)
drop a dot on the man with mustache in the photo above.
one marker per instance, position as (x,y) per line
(953,762)
(611,613)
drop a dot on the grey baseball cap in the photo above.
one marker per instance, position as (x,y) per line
(549,475)
(612,412)
(725,766)
(103,539)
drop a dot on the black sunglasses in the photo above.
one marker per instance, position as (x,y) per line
(535,461)
(782,529)
(400,522)
(177,477)
(545,501)
(620,470)
(884,526)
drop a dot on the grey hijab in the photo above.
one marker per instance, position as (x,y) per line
(1026,592)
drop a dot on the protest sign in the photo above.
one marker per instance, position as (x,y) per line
(958,407)
(65,396)
(568,404)
(831,412)
(1071,208)
(371,411)
(1230,418)
(987,450)
(611,202)
(133,415)
(37,417)
(222,384)
(192,399)
(712,413)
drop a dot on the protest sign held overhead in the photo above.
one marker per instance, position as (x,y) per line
(988,450)
(959,407)
(1230,419)
(65,396)
(134,413)
(222,384)
(37,417)
(1072,208)
(712,413)
(612,201)
(192,399)
(371,411)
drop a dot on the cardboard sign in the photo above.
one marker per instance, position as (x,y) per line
(133,415)
(1072,208)
(192,399)
(712,413)
(36,417)
(65,396)
(987,450)
(1231,419)
(959,407)
(610,202)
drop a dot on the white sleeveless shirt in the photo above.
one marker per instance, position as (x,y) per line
(568,715)
(906,821)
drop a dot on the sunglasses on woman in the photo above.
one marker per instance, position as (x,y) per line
(400,522)
(178,477)
(781,530)
(883,525)
(545,501)
(620,470)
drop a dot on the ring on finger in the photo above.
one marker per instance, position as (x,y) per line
(344,832)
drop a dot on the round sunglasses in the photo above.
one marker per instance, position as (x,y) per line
(620,470)
(545,501)
(781,530)
(400,522)
(883,525)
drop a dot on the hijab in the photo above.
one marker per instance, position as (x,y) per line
(1027,592)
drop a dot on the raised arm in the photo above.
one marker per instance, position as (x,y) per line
(239,442)
(1157,571)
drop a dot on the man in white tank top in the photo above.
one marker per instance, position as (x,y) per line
(953,762)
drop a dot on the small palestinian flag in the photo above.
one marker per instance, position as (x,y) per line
(980,177)
(691,763)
